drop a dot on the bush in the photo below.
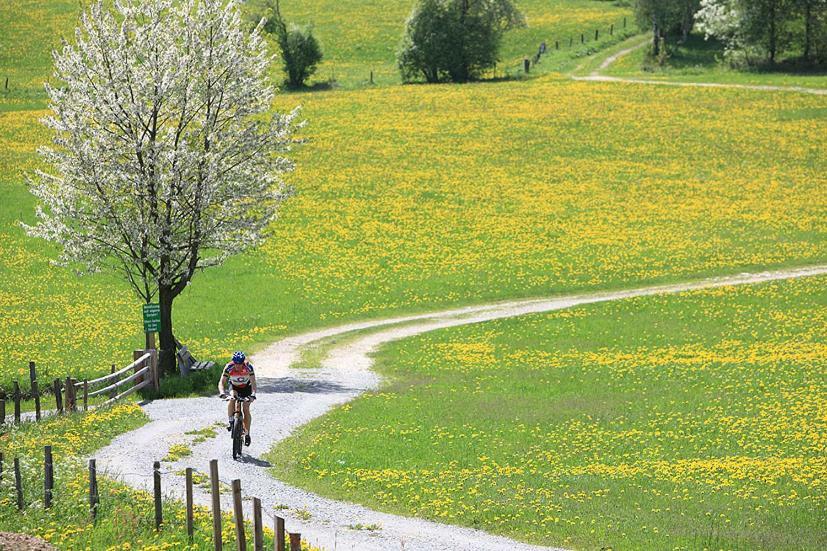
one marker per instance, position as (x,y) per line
(300,51)
(454,39)
(301,54)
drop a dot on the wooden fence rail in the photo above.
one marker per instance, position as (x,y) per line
(141,373)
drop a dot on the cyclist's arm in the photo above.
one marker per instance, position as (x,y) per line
(221,383)
(253,381)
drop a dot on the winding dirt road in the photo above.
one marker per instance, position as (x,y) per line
(597,76)
(289,398)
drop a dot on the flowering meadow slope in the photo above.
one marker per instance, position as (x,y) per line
(413,197)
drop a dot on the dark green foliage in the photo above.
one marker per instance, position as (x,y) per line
(455,40)
(300,51)
(668,19)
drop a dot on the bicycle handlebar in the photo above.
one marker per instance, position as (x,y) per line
(227,397)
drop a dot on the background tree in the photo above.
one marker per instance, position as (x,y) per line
(666,18)
(455,39)
(767,27)
(300,51)
(165,160)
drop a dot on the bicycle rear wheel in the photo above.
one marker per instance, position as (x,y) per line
(238,431)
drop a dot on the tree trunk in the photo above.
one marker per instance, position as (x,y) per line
(773,35)
(166,336)
(655,38)
(808,28)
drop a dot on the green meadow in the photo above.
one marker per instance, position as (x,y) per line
(691,421)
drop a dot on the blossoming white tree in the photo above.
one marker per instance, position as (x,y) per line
(165,159)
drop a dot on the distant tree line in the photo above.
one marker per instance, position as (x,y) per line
(752,31)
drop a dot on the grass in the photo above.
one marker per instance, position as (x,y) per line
(416,197)
(529,192)
(357,37)
(699,60)
(125,516)
(686,421)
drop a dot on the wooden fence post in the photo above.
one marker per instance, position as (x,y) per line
(156,475)
(295,541)
(18,483)
(582,38)
(35,390)
(216,504)
(2,407)
(69,399)
(1,466)
(153,369)
(16,402)
(58,397)
(612,29)
(556,44)
(278,539)
(258,529)
(596,33)
(86,395)
(189,503)
(238,513)
(526,64)
(114,391)
(94,499)
(48,476)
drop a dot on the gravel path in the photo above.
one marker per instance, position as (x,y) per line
(290,398)
(597,76)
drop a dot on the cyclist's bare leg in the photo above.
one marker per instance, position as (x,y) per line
(230,408)
(247,418)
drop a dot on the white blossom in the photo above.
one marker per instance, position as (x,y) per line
(166,157)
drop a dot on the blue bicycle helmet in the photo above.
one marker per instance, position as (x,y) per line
(239,357)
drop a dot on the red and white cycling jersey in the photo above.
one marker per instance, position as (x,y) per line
(238,374)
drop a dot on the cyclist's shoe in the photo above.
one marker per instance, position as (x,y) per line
(247,440)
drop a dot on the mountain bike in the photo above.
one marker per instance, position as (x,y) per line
(237,431)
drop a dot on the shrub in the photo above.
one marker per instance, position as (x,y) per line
(300,51)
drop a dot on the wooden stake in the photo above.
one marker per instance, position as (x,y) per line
(1,466)
(36,394)
(279,537)
(258,529)
(58,396)
(16,402)
(35,390)
(48,477)
(94,499)
(69,402)
(189,503)
(238,513)
(216,504)
(295,542)
(3,408)
(114,391)
(18,483)
(156,475)
(86,395)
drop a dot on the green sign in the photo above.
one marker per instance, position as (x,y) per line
(152,318)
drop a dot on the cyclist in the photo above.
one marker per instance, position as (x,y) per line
(242,379)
